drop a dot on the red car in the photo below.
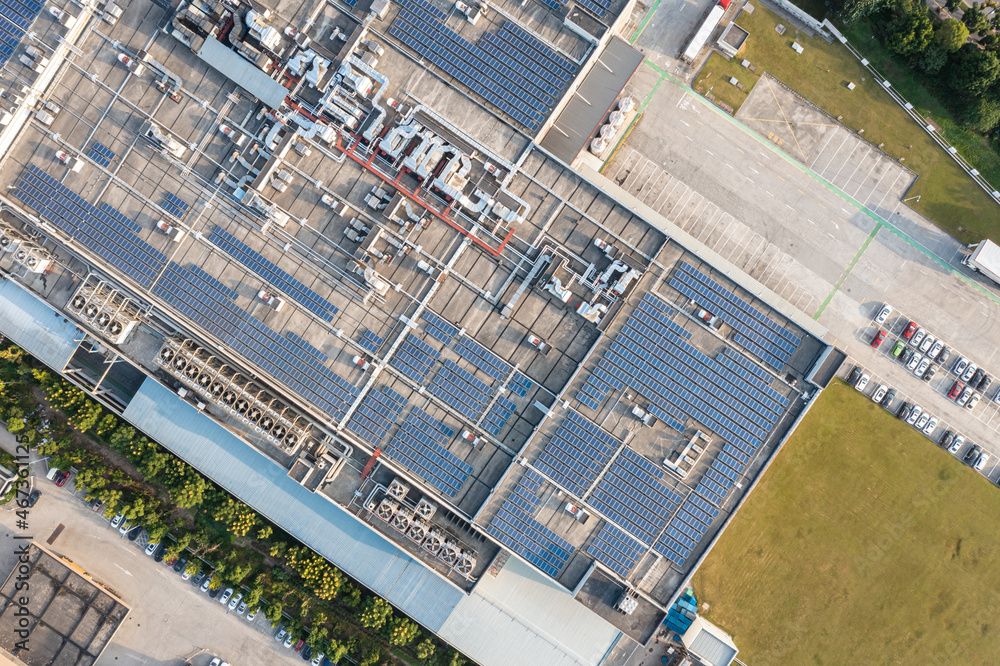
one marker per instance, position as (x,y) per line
(62,478)
(877,340)
(911,328)
(956,390)
(298,646)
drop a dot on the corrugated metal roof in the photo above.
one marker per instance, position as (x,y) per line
(35,326)
(711,649)
(522,617)
(243,72)
(314,520)
(585,110)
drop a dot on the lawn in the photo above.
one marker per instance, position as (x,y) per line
(863,543)
(947,196)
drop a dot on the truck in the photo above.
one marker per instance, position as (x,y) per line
(985,259)
(705,31)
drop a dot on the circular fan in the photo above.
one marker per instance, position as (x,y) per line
(192,371)
(279,431)
(254,414)
(103,320)
(205,379)
(79,301)
(179,363)
(289,439)
(228,397)
(115,328)
(266,423)
(5,241)
(31,261)
(91,311)
(20,255)
(242,405)
(216,388)
(166,354)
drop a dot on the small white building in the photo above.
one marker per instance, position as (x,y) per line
(711,645)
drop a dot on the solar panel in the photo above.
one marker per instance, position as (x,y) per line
(91,228)
(694,517)
(483,359)
(415,358)
(121,217)
(457,388)
(616,550)
(419,445)
(323,358)
(370,341)
(270,273)
(577,453)
(208,304)
(174,205)
(499,414)
(101,154)
(378,411)
(17,16)
(631,495)
(438,328)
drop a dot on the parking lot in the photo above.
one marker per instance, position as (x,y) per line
(170,618)
(955,408)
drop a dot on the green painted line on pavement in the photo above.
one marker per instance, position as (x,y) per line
(847,269)
(640,111)
(645,22)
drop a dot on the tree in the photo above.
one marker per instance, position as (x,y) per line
(974,72)
(854,10)
(336,651)
(317,635)
(981,114)
(193,567)
(931,59)
(273,613)
(106,424)
(238,518)
(953,5)
(425,650)
(910,32)
(975,20)
(264,533)
(402,631)
(375,613)
(157,533)
(951,34)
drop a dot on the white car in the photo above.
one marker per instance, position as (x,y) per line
(931,426)
(981,461)
(922,421)
(922,366)
(317,660)
(235,600)
(915,413)
(914,362)
(973,401)
(151,548)
(960,365)
(117,520)
(927,343)
(252,615)
(969,371)
(918,337)
(224,599)
(957,444)
(883,314)
(935,349)
(879,393)
(964,398)
(862,382)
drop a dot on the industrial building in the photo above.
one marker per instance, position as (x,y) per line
(336,256)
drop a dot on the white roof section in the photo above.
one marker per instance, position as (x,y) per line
(709,643)
(243,72)
(523,617)
(987,255)
(36,327)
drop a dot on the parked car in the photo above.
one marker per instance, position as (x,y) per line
(124,527)
(972,454)
(307,653)
(170,561)
(252,615)
(883,314)
(288,641)
(862,383)
(878,338)
(213,592)
(922,366)
(969,373)
(956,390)
(922,421)
(930,426)
(117,520)
(960,365)
(242,608)
(918,337)
(62,478)
(981,461)
(914,361)
(935,349)
(299,645)
(235,600)
(889,397)
(947,439)
(279,635)
(160,551)
(927,343)
(973,401)
(853,377)
(977,377)
(956,444)
(898,349)
(196,581)
(880,392)
(964,398)
(929,375)
(206,583)
(33,497)
(186,575)
(904,410)
(179,565)
(95,504)
(133,533)
(985,383)
(910,329)
(943,357)
(907,356)
(224,599)
(317,660)
(914,414)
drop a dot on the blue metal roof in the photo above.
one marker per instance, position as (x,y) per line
(314,520)
(36,327)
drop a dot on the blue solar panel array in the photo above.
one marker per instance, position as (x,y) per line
(496,68)
(101,154)
(121,217)
(174,205)
(460,390)
(576,454)
(483,359)
(92,228)
(270,273)
(686,529)
(15,19)
(420,446)
(520,384)
(498,415)
(631,495)
(515,527)
(209,304)
(599,8)
(652,357)
(415,358)
(370,341)
(756,332)
(323,358)
(438,328)
(616,550)
(376,414)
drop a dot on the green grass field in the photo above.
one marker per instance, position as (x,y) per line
(863,543)
(948,196)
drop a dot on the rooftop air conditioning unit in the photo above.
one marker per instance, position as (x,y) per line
(9,240)
(466,562)
(470,437)
(434,541)
(401,521)
(35,259)
(450,553)
(418,531)
(362,362)
(397,489)
(425,509)
(387,509)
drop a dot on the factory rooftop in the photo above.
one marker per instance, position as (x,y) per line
(329,228)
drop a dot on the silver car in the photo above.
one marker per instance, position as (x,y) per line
(883,314)
(915,413)
(936,349)
(931,425)
(862,383)
(964,398)
(922,366)
(927,343)
(879,393)
(956,444)
(981,461)
(918,337)
(960,365)
(973,401)
(969,371)
(922,421)
(914,362)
